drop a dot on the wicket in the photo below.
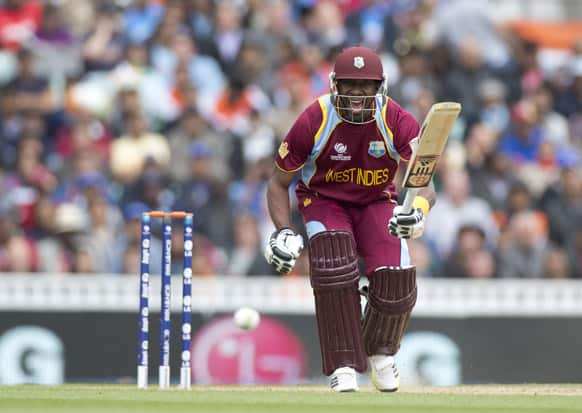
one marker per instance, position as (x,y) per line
(144,290)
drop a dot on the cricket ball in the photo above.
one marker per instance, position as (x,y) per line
(247,318)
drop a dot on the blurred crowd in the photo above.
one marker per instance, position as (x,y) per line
(112,108)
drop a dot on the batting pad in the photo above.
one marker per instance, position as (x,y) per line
(334,278)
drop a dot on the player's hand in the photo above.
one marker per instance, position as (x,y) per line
(407,226)
(283,249)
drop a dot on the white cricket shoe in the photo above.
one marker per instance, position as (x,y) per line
(344,380)
(384,373)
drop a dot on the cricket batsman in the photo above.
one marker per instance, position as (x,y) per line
(347,147)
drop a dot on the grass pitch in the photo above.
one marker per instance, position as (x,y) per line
(296,399)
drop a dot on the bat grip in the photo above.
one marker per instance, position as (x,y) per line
(409,199)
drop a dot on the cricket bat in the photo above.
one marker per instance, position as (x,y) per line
(433,137)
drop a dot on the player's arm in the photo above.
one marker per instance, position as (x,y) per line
(278,197)
(285,245)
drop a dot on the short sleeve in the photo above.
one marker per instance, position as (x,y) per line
(404,128)
(297,145)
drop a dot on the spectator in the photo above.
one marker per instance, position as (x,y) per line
(494,111)
(470,70)
(531,73)
(520,199)
(44,232)
(205,196)
(228,34)
(480,265)
(554,125)
(130,151)
(522,143)
(569,102)
(31,172)
(184,94)
(233,109)
(524,255)
(563,204)
(126,248)
(55,48)
(414,78)
(128,105)
(290,104)
(203,71)
(574,249)
(84,131)
(253,66)
(470,242)
(201,20)
(104,42)
(141,19)
(422,257)
(207,260)
(372,25)
(17,128)
(246,257)
(194,128)
(312,67)
(259,142)
(492,173)
(105,222)
(71,253)
(457,20)
(151,188)
(16,251)
(154,90)
(457,207)
(29,92)
(556,264)
(18,22)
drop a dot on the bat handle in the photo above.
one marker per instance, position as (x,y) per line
(409,199)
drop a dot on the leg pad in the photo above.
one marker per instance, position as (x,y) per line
(334,278)
(392,295)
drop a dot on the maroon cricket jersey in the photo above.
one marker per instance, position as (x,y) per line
(353,163)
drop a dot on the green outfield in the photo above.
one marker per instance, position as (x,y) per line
(296,399)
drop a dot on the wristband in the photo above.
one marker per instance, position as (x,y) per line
(422,203)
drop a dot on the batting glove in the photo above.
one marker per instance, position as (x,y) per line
(283,249)
(407,226)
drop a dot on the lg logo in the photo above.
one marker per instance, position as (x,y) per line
(270,354)
(30,354)
(428,357)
